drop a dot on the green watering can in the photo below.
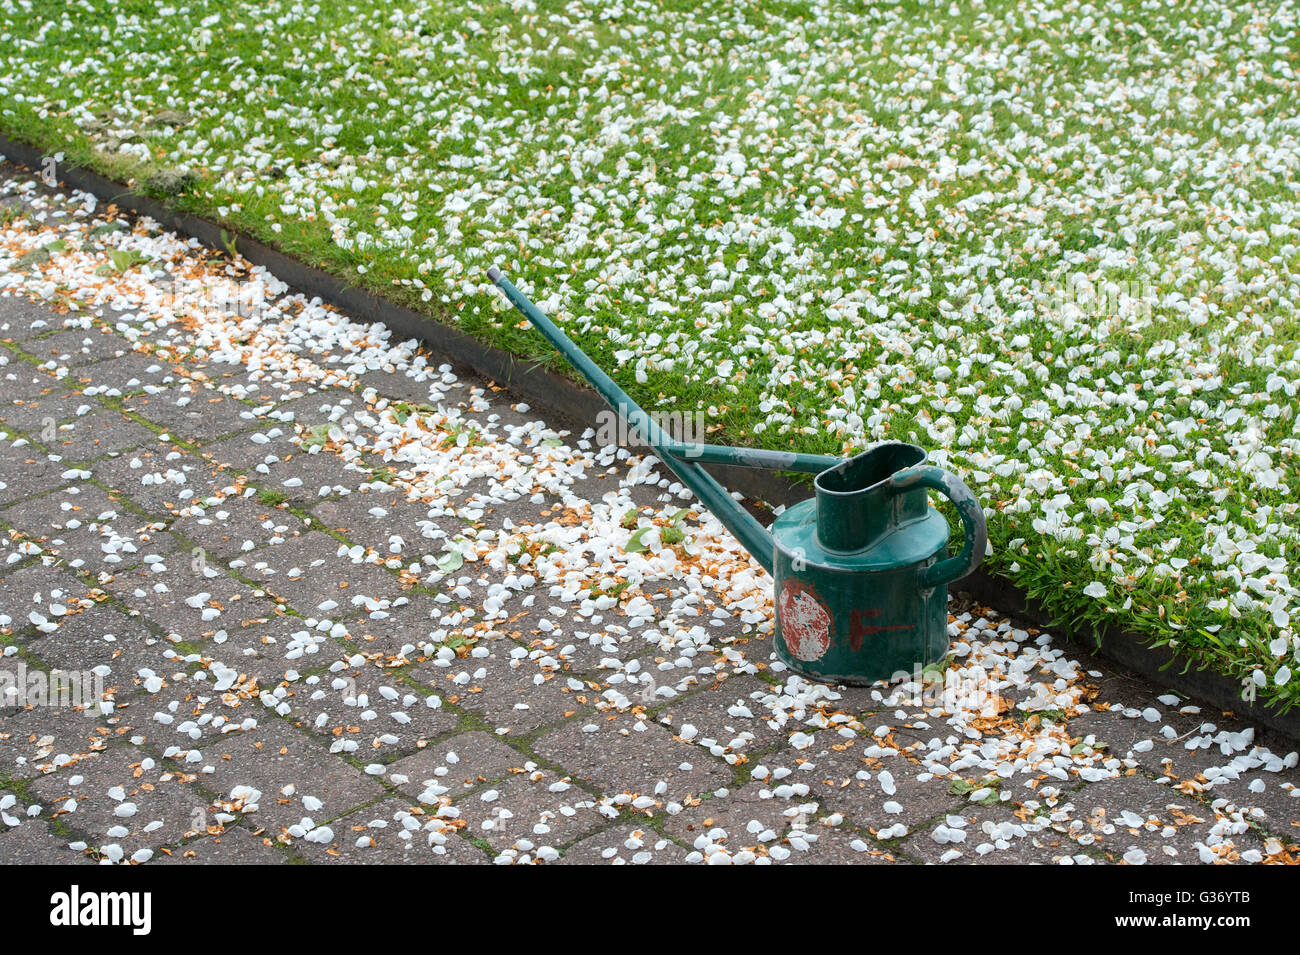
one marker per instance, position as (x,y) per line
(860,588)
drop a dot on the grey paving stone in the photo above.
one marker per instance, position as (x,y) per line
(26,470)
(194,414)
(273,756)
(832,776)
(161,478)
(301,476)
(73,347)
(27,682)
(391,832)
(996,834)
(21,381)
(825,845)
(374,709)
(91,529)
(307,571)
(1209,774)
(235,846)
(38,415)
(303,404)
(633,763)
(36,587)
(250,450)
(578,645)
(173,597)
(188,711)
(373,523)
(856,701)
(1118,734)
(752,817)
(36,740)
(1170,824)
(260,648)
(625,845)
(213,370)
(119,788)
(128,374)
(1181,746)
(22,320)
(600,480)
(227,528)
(392,626)
(396,385)
(463,762)
(710,712)
(524,813)
(254,385)
(96,435)
(527,514)
(32,843)
(511,695)
(103,636)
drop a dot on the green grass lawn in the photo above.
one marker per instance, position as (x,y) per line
(1054,243)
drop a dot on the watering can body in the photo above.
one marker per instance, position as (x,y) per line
(861,569)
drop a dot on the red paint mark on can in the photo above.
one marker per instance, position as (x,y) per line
(858,630)
(805,621)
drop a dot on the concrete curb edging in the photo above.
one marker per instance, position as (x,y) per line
(580,405)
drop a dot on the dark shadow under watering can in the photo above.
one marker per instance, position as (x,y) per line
(860,570)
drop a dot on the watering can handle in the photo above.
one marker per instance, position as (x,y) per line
(968,509)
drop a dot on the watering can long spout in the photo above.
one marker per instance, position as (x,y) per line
(683,459)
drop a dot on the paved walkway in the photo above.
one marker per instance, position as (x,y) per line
(336,603)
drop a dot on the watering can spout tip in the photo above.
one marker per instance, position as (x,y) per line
(494,274)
